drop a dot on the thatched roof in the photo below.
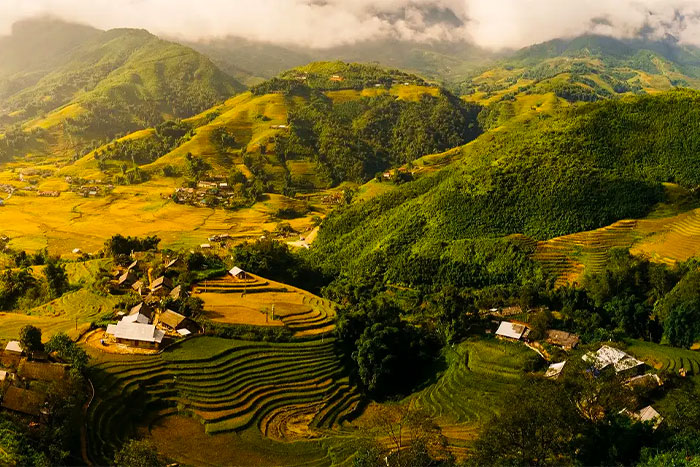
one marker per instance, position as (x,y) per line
(171,319)
(24,401)
(42,371)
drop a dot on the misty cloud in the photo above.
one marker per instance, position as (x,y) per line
(329,23)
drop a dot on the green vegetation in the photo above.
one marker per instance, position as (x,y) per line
(588,168)
(326,76)
(352,141)
(106,83)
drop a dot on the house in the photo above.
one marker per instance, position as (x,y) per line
(127,279)
(645,415)
(4,375)
(161,286)
(337,78)
(137,287)
(176,293)
(133,266)
(39,356)
(42,371)
(563,339)
(649,380)
(554,370)
(136,334)
(238,273)
(141,313)
(608,356)
(24,401)
(77,251)
(172,320)
(174,263)
(512,331)
(14,347)
(205,246)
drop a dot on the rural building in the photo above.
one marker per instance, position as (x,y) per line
(127,279)
(608,356)
(646,415)
(176,293)
(161,286)
(133,266)
(512,331)
(42,371)
(554,370)
(24,401)
(13,347)
(238,273)
(137,286)
(174,263)
(172,320)
(141,313)
(205,246)
(39,356)
(136,334)
(3,375)
(649,380)
(563,339)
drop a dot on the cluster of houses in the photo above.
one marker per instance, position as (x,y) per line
(207,192)
(158,288)
(606,358)
(145,327)
(25,379)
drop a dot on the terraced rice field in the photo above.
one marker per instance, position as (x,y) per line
(286,392)
(253,302)
(569,256)
(465,396)
(665,358)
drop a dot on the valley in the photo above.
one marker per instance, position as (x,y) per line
(388,252)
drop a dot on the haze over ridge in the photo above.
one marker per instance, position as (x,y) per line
(331,23)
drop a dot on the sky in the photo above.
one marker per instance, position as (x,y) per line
(491,24)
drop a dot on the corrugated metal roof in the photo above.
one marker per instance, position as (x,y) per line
(14,346)
(136,332)
(236,271)
(512,330)
(606,356)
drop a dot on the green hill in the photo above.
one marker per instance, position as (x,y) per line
(586,168)
(293,135)
(100,83)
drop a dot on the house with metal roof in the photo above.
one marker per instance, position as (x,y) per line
(513,331)
(238,273)
(610,357)
(136,334)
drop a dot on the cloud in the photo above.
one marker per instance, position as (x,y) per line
(328,23)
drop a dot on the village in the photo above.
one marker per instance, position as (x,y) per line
(630,371)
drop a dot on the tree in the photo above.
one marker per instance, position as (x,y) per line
(196,168)
(540,324)
(138,453)
(456,313)
(414,439)
(537,426)
(56,277)
(68,351)
(30,338)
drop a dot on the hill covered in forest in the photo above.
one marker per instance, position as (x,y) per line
(584,168)
(86,84)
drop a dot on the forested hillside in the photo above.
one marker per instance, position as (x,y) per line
(586,168)
(100,83)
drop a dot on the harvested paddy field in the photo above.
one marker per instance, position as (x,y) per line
(261,302)
(283,395)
